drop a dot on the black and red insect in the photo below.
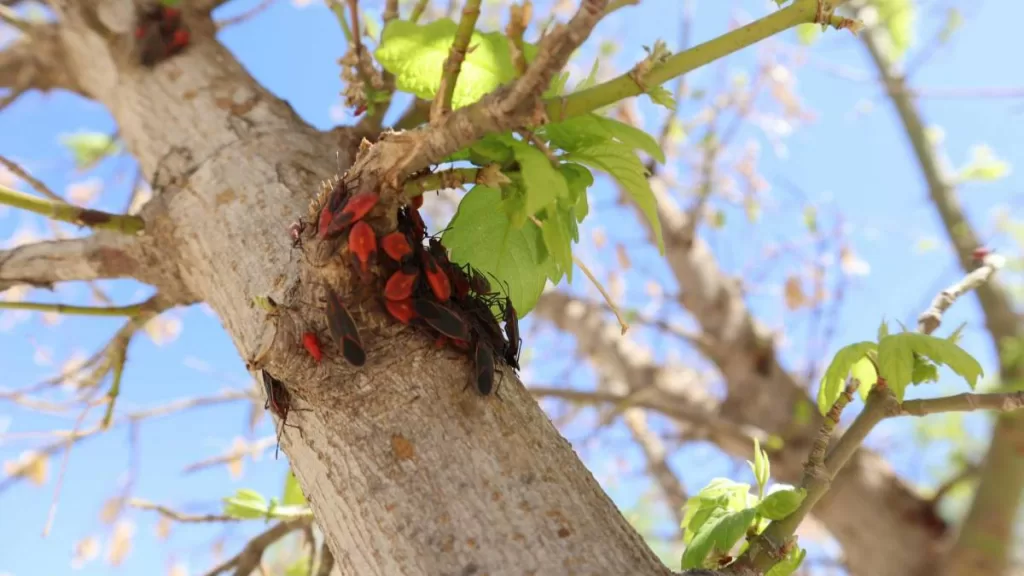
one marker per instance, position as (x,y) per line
(483,368)
(311,343)
(396,245)
(441,319)
(344,330)
(362,242)
(437,278)
(279,402)
(355,209)
(160,34)
(402,283)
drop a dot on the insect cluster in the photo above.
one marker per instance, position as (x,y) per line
(159,34)
(416,284)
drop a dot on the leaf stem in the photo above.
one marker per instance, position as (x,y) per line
(625,85)
(62,212)
(604,294)
(453,64)
(417,11)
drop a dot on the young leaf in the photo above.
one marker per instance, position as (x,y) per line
(246,504)
(623,165)
(293,495)
(556,233)
(883,330)
(832,382)
(480,234)
(591,78)
(733,492)
(593,130)
(955,336)
(864,372)
(89,148)
(924,370)
(719,534)
(789,564)
(781,503)
(415,54)
(662,97)
(544,183)
(896,362)
(761,466)
(896,359)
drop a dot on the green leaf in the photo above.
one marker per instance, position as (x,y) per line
(864,372)
(623,165)
(781,503)
(883,330)
(984,165)
(593,130)
(591,78)
(896,359)
(832,382)
(544,183)
(557,85)
(924,370)
(480,234)
(955,336)
(415,54)
(811,219)
(556,233)
(662,97)
(89,148)
(761,466)
(732,493)
(300,567)
(371,28)
(807,34)
(718,535)
(246,504)
(898,18)
(789,564)
(293,495)
(578,179)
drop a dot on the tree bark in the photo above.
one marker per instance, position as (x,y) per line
(406,472)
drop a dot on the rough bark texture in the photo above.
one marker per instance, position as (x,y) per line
(406,472)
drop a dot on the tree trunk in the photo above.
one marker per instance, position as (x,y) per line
(406,472)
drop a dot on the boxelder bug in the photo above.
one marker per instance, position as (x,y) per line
(279,402)
(484,367)
(401,284)
(363,243)
(344,330)
(401,310)
(337,197)
(354,210)
(396,246)
(442,319)
(436,277)
(417,201)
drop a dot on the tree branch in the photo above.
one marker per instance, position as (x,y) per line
(101,255)
(248,560)
(180,516)
(453,64)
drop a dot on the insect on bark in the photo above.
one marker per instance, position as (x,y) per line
(344,330)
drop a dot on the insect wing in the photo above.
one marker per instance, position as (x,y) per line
(441,319)
(484,364)
(344,330)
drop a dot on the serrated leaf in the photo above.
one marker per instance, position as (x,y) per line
(718,534)
(896,359)
(491,149)
(89,148)
(292,495)
(734,493)
(480,234)
(591,78)
(781,503)
(789,564)
(924,370)
(416,53)
(623,165)
(593,130)
(662,97)
(556,233)
(544,183)
(956,334)
(832,382)
(579,180)
(883,330)
(246,504)
(864,372)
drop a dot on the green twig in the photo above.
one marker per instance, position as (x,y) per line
(124,223)
(106,311)
(626,85)
(453,64)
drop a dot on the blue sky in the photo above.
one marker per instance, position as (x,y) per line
(851,160)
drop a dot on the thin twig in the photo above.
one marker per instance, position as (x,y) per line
(247,15)
(518,19)
(417,11)
(607,298)
(180,516)
(35,183)
(453,64)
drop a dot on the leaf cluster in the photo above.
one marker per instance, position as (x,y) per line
(523,230)
(898,360)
